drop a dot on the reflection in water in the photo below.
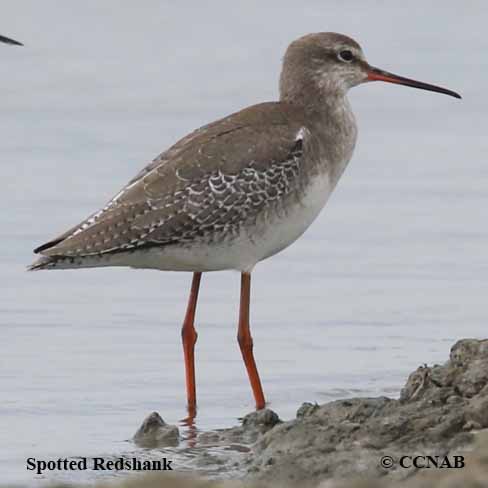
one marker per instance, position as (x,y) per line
(191,427)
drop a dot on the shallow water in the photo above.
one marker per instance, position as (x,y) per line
(388,277)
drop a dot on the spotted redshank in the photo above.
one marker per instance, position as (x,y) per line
(235,191)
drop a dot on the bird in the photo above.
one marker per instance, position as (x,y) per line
(235,191)
(8,40)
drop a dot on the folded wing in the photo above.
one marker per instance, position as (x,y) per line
(210,182)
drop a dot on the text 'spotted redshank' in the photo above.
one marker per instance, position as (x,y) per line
(235,191)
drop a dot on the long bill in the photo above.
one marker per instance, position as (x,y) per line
(376,74)
(7,40)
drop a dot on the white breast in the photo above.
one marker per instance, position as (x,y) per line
(284,230)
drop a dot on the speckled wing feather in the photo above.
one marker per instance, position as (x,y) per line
(209,183)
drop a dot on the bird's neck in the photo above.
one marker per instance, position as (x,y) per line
(326,104)
(314,99)
(338,130)
(332,122)
(310,89)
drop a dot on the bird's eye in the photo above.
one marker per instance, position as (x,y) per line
(346,56)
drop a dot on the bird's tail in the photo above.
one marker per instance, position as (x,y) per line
(70,262)
(77,262)
(48,262)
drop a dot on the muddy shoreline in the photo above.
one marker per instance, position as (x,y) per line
(442,412)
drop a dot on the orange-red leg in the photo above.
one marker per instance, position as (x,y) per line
(245,341)
(189,338)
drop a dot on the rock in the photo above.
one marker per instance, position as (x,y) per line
(438,410)
(261,420)
(252,427)
(418,381)
(155,432)
(477,409)
(307,408)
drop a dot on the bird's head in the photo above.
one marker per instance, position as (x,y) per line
(333,63)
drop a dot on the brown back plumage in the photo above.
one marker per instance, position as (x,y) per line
(200,185)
